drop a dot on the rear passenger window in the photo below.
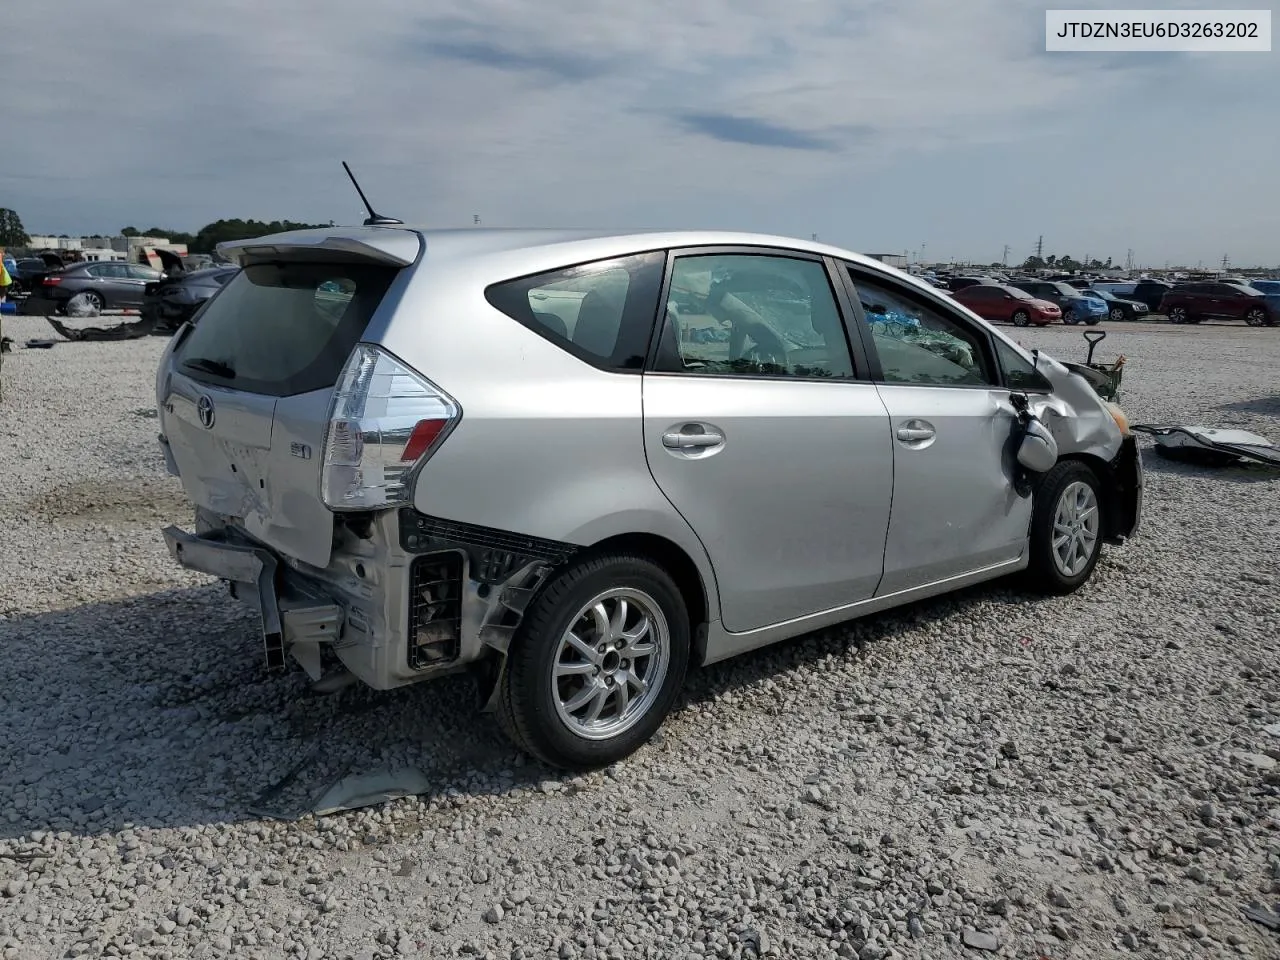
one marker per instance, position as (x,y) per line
(600,312)
(752,315)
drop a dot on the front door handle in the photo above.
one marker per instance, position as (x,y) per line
(915,431)
(679,440)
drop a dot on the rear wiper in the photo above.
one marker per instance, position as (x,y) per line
(216,367)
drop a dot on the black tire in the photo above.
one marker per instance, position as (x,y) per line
(94,299)
(528,708)
(1257,317)
(1093,321)
(1117,315)
(1043,573)
(1020,318)
(1070,316)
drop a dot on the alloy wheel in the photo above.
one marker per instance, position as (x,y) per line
(1076,522)
(611,662)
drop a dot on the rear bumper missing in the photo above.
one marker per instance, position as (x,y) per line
(292,620)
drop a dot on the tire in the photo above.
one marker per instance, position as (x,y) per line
(1020,318)
(1092,321)
(1070,483)
(1256,317)
(1070,316)
(94,299)
(1179,315)
(1116,315)
(537,706)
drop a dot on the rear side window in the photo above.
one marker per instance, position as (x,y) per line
(602,312)
(283,328)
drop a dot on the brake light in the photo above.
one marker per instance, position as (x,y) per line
(51,281)
(385,420)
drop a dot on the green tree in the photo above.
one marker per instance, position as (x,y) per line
(12,233)
(210,235)
(130,232)
(1033,263)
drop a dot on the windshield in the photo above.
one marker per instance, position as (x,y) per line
(1019,294)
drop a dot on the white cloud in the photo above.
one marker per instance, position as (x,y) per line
(578,113)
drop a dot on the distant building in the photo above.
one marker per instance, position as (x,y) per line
(892,259)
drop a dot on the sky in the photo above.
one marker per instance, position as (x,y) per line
(934,127)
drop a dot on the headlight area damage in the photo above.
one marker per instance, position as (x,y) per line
(405,596)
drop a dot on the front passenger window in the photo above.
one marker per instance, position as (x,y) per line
(919,344)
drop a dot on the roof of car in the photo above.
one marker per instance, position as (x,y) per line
(467,242)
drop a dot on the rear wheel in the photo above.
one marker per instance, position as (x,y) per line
(597,664)
(1066,529)
(1256,317)
(93,299)
(1070,316)
(1116,314)
(1179,315)
(1020,318)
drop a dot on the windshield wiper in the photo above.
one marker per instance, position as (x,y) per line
(216,367)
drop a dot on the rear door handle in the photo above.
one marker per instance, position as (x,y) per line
(677,440)
(911,434)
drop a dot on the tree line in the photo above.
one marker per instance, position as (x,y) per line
(204,240)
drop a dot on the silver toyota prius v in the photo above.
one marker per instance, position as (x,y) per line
(576,464)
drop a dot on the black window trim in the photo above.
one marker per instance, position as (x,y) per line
(856,348)
(568,346)
(923,298)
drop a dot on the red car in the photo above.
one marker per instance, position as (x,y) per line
(1005,304)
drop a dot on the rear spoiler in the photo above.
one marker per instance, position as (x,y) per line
(393,247)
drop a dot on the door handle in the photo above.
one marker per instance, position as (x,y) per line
(913,434)
(675,440)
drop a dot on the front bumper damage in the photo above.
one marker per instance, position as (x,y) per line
(1123,479)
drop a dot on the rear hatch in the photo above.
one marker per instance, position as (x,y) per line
(244,393)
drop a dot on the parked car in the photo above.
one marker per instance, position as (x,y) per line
(173,301)
(1150,292)
(1119,308)
(1075,307)
(959,283)
(1269,287)
(1120,288)
(1194,301)
(398,448)
(105,286)
(1007,304)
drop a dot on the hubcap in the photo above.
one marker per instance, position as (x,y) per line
(1075,528)
(1117,315)
(1178,315)
(611,663)
(1254,318)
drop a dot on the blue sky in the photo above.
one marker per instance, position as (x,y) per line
(882,126)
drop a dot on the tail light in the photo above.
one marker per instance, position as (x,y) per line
(51,281)
(384,422)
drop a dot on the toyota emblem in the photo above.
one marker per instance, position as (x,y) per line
(204,409)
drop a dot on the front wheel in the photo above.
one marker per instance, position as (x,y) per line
(1020,318)
(1066,529)
(597,664)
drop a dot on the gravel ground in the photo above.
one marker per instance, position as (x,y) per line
(1081,777)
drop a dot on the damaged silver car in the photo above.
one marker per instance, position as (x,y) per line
(575,465)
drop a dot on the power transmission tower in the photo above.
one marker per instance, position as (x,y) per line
(1004,257)
(1040,248)
(1226,263)
(475,220)
(1128,261)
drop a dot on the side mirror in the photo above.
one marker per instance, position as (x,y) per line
(1038,451)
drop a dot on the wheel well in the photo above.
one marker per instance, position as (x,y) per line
(676,562)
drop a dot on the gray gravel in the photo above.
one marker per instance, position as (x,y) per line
(984,775)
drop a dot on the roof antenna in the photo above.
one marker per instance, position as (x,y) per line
(374,219)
